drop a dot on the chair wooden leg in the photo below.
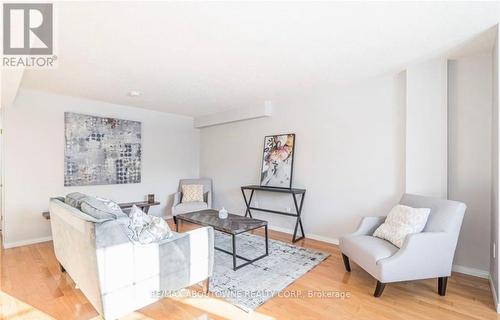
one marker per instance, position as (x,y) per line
(442,283)
(379,289)
(347,265)
(208,285)
(175,220)
(62,268)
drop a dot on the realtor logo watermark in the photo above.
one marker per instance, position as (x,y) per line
(28,35)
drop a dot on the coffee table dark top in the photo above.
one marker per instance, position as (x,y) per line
(233,224)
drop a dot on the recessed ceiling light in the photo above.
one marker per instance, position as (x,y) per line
(134,93)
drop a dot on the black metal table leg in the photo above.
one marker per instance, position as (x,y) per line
(300,213)
(248,203)
(298,209)
(267,245)
(247,260)
(301,227)
(234,252)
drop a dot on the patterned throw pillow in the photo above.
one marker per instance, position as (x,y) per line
(402,221)
(192,192)
(145,229)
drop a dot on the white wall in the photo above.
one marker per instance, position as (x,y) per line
(426,128)
(349,156)
(359,147)
(34,158)
(469,154)
(494,266)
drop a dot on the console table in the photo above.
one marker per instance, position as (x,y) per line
(143,205)
(298,206)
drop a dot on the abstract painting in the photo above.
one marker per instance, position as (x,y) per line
(101,150)
(277,162)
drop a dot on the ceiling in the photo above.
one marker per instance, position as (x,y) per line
(205,57)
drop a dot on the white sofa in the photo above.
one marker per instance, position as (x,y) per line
(118,276)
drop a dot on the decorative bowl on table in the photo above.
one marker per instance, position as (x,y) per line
(223,213)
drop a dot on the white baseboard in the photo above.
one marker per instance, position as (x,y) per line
(471,271)
(457,268)
(308,235)
(494,294)
(8,245)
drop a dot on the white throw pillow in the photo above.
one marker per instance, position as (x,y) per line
(192,192)
(402,221)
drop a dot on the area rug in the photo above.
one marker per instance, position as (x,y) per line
(254,284)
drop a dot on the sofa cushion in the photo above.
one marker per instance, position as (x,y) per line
(402,221)
(190,207)
(74,199)
(367,250)
(101,208)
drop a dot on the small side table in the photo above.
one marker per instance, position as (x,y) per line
(143,205)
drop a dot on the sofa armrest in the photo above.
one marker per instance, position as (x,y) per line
(423,255)
(177,198)
(208,199)
(368,225)
(201,244)
(426,246)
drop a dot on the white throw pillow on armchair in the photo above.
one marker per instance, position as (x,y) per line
(192,192)
(402,221)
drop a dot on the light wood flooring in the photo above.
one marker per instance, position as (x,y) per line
(32,287)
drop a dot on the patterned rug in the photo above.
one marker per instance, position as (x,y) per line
(254,284)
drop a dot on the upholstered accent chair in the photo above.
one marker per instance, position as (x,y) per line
(180,207)
(424,255)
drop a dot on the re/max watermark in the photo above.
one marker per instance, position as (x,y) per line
(262,294)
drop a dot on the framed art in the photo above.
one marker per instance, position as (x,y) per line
(277,161)
(101,150)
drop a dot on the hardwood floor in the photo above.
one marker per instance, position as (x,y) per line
(32,287)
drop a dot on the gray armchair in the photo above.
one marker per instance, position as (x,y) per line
(424,255)
(179,207)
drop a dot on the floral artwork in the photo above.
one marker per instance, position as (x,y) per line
(277,162)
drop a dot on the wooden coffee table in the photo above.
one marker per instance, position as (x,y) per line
(232,225)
